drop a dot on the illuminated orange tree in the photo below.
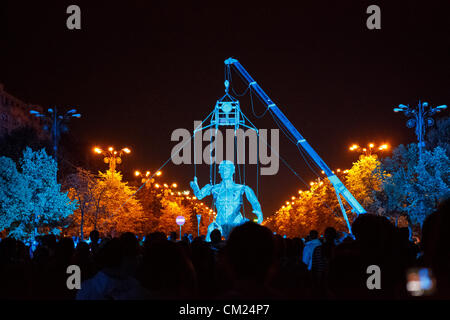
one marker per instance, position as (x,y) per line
(110,208)
(318,207)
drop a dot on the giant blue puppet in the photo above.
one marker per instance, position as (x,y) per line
(228,198)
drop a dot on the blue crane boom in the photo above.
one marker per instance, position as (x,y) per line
(301,141)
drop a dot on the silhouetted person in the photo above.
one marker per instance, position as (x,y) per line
(321,258)
(154,237)
(56,283)
(131,254)
(292,277)
(250,255)
(15,279)
(204,264)
(436,248)
(166,271)
(112,282)
(94,236)
(309,248)
(83,258)
(216,240)
(173,236)
(374,245)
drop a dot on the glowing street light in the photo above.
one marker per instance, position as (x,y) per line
(57,123)
(146,176)
(420,118)
(370,149)
(112,157)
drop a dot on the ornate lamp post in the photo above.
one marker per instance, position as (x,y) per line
(112,157)
(57,123)
(420,118)
(146,176)
(370,149)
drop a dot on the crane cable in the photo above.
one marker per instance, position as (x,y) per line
(165,163)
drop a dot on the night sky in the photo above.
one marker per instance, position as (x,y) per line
(140,69)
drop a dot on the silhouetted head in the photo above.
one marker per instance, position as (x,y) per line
(215,236)
(154,237)
(250,251)
(49,241)
(298,246)
(313,234)
(65,248)
(173,236)
(82,249)
(110,253)
(373,232)
(94,236)
(166,268)
(130,244)
(330,234)
(226,169)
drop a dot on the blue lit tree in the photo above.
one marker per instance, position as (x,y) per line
(36,204)
(414,186)
(439,135)
(15,196)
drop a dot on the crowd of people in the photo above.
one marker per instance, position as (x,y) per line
(253,263)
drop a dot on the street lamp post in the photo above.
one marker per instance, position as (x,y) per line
(419,117)
(112,157)
(146,176)
(370,149)
(58,123)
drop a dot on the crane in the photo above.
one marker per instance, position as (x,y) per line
(339,187)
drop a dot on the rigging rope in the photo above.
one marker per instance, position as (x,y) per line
(253,109)
(165,163)
(286,164)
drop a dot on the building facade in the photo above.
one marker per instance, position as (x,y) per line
(14,113)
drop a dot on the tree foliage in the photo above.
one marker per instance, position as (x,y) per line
(414,185)
(363,179)
(439,135)
(318,207)
(109,204)
(174,204)
(82,187)
(112,206)
(31,200)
